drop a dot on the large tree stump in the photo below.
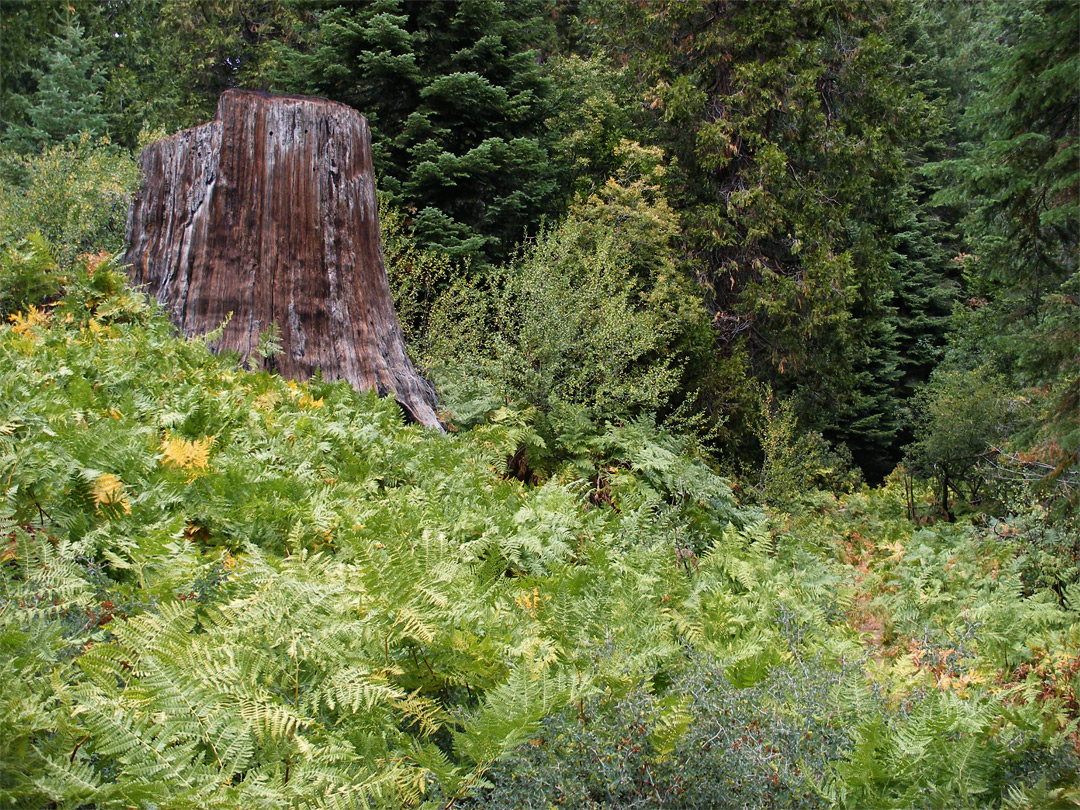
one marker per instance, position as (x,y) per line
(269,213)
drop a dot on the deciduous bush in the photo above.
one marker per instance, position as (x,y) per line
(77,195)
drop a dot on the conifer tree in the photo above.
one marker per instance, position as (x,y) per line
(457,103)
(1021,181)
(1018,185)
(788,127)
(67,97)
(26,30)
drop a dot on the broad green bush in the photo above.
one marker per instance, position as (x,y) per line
(77,195)
(700,743)
(797,465)
(565,322)
(592,311)
(961,416)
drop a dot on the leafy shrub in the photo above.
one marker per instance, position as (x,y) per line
(416,276)
(565,323)
(796,464)
(77,195)
(962,415)
(592,312)
(702,743)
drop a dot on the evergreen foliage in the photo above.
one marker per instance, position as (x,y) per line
(1017,184)
(789,126)
(457,104)
(67,98)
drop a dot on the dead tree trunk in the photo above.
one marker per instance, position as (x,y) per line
(269,213)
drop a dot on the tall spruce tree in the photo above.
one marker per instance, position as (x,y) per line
(1018,184)
(26,31)
(1021,179)
(66,97)
(457,103)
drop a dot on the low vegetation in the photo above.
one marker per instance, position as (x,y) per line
(222,589)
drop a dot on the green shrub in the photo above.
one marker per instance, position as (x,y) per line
(565,322)
(77,195)
(797,464)
(961,416)
(592,312)
(416,276)
(701,743)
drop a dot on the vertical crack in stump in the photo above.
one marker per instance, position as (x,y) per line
(269,212)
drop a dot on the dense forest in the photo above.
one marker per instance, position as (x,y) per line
(755,328)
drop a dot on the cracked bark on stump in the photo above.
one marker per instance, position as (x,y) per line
(269,213)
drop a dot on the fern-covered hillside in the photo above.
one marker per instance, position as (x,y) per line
(222,589)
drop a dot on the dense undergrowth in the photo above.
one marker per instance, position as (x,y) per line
(222,589)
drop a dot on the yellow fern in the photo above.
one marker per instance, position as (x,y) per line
(267,400)
(22,324)
(186,454)
(110,491)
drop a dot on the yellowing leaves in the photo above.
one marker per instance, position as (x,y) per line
(22,324)
(186,454)
(531,602)
(108,490)
(897,549)
(267,400)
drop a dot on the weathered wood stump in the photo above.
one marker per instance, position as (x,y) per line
(269,213)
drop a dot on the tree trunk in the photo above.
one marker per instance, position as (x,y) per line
(269,213)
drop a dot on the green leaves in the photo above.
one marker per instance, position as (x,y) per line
(75,194)
(27,275)
(67,100)
(785,178)
(222,589)
(587,315)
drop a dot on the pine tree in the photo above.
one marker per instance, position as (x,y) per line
(26,30)
(1018,184)
(457,105)
(787,127)
(1021,181)
(67,98)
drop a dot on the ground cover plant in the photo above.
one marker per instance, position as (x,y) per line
(223,589)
